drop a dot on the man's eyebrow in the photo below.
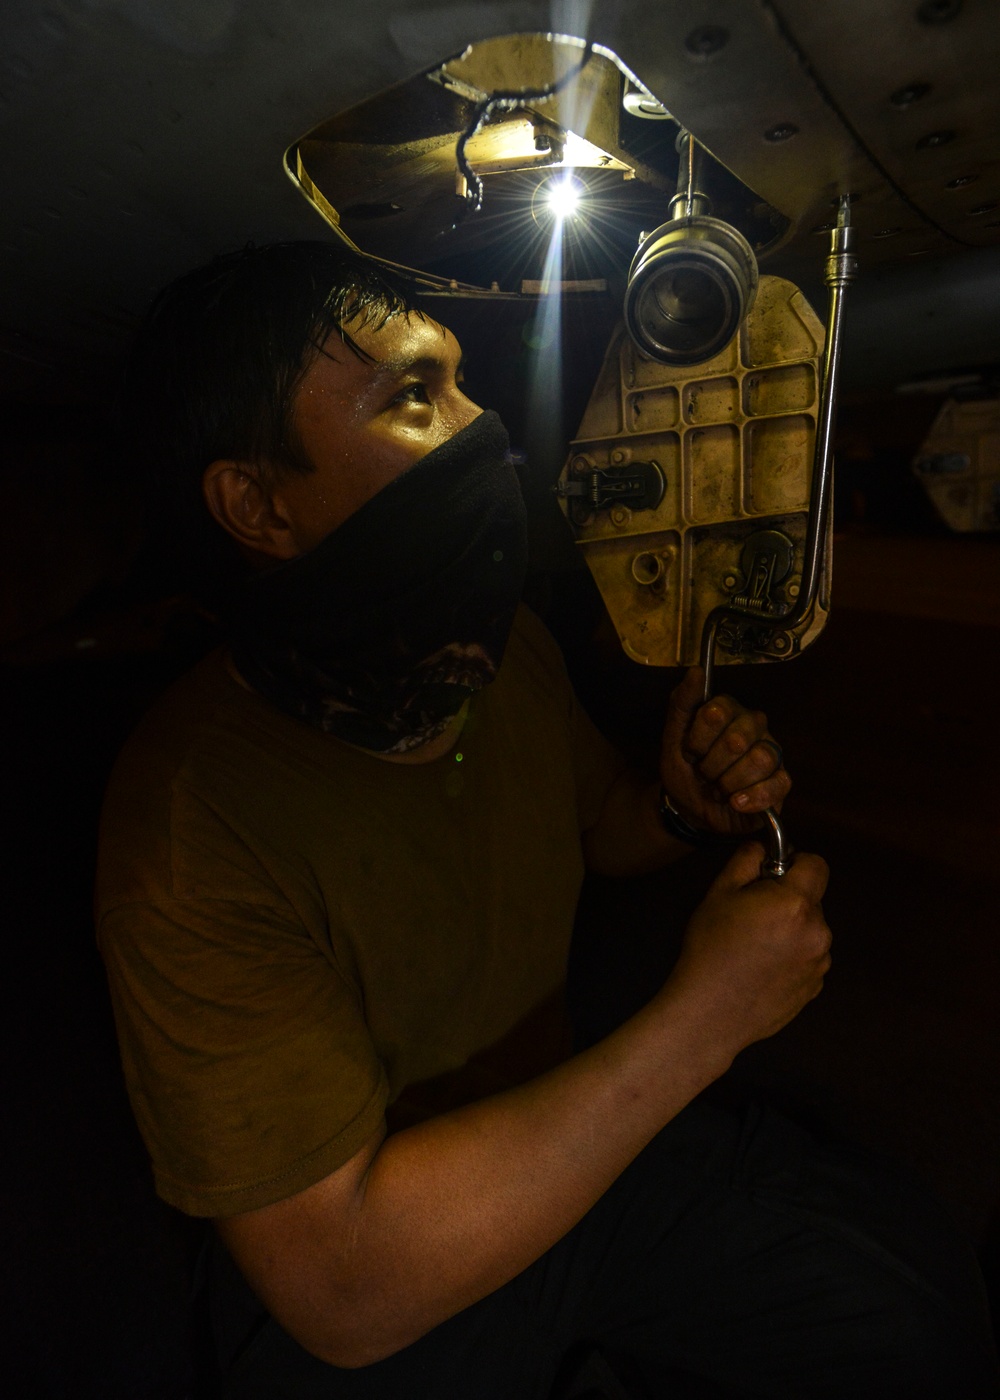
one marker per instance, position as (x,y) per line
(417,364)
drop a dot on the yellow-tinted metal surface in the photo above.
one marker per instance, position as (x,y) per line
(959,464)
(734,439)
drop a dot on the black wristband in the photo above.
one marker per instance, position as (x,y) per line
(677,826)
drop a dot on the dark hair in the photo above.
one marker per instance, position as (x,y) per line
(217,359)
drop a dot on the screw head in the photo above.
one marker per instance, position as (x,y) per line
(933,139)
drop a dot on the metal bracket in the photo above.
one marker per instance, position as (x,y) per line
(640,486)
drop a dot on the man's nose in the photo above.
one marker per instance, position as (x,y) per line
(462,411)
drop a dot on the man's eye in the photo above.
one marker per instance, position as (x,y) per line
(413,393)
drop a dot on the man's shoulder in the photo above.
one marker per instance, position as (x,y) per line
(197,785)
(533,651)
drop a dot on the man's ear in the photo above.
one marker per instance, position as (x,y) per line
(245,508)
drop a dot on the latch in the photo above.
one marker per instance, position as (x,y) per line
(640,486)
(766,561)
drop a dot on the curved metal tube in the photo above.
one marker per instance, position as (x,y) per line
(841,268)
(778,857)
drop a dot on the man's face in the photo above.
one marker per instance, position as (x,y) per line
(363,423)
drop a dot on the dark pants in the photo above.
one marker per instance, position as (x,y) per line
(735,1252)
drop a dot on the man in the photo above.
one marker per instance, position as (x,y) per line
(342,858)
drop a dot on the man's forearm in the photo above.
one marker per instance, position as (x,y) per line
(450,1210)
(421,1225)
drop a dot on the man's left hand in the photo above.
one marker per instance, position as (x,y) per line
(719,764)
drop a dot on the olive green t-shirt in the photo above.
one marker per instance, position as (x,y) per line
(295,930)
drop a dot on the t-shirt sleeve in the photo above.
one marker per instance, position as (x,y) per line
(247,1060)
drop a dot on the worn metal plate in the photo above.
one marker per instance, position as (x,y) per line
(959,464)
(734,440)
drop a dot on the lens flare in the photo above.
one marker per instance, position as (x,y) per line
(563,197)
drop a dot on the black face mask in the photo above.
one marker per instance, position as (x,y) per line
(382,632)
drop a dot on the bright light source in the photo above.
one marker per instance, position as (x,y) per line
(563,196)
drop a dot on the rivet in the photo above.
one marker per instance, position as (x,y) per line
(906,96)
(620,515)
(933,139)
(619,456)
(706,40)
(730,581)
(938,11)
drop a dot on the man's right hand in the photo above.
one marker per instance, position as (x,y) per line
(423,1223)
(756,951)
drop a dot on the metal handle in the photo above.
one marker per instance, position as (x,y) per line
(778,856)
(841,269)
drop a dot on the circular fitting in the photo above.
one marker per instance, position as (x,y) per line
(620,515)
(639,103)
(619,456)
(648,568)
(691,284)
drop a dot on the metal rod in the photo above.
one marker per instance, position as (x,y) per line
(689,201)
(841,268)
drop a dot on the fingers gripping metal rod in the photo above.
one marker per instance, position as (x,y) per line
(841,268)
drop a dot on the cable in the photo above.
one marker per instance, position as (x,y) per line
(504,101)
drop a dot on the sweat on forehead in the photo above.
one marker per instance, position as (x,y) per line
(360,334)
